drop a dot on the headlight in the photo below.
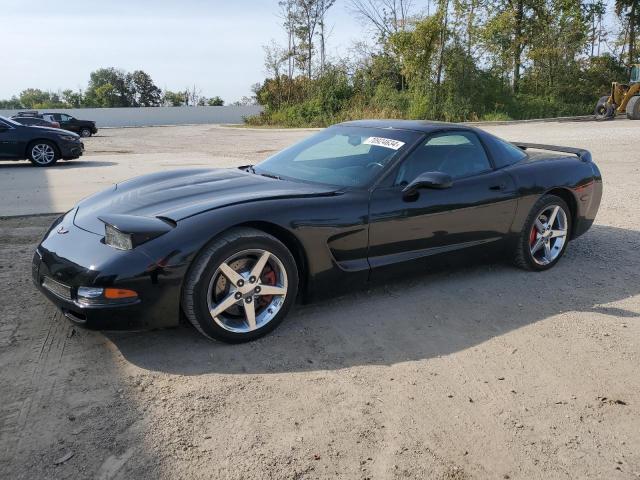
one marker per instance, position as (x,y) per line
(68,138)
(125,232)
(116,239)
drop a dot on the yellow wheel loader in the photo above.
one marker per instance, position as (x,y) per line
(623,98)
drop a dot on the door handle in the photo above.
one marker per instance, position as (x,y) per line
(497,187)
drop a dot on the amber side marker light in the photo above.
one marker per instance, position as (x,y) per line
(96,296)
(119,293)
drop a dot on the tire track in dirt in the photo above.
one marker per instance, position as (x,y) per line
(38,385)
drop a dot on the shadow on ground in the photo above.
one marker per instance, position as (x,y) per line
(425,317)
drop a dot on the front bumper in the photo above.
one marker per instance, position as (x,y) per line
(71,258)
(70,150)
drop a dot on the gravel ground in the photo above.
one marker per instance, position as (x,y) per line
(480,372)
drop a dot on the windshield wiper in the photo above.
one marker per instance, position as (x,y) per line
(269,175)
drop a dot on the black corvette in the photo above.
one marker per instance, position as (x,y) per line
(232,249)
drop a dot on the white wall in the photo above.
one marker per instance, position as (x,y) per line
(148,116)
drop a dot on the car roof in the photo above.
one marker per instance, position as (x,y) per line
(423,126)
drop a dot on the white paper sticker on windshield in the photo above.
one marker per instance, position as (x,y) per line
(384,142)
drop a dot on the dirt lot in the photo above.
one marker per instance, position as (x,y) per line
(482,372)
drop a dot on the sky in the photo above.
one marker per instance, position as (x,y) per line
(214,44)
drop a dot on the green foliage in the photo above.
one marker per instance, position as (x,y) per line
(108,87)
(215,102)
(12,103)
(175,99)
(471,60)
(143,90)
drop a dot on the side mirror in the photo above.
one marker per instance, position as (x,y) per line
(435,180)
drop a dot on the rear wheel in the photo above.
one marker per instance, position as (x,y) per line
(241,286)
(633,108)
(545,235)
(604,110)
(43,153)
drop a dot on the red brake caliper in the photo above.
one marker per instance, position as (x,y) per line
(532,237)
(268,278)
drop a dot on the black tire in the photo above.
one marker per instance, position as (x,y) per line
(85,132)
(523,258)
(633,108)
(196,286)
(36,147)
(604,110)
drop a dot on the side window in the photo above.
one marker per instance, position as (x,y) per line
(65,118)
(503,153)
(459,154)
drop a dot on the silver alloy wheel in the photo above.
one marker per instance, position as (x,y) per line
(247,290)
(548,234)
(43,153)
(85,132)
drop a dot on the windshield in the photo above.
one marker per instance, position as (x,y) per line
(342,156)
(9,121)
(635,74)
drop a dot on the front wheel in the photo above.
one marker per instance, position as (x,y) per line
(43,153)
(545,234)
(633,108)
(604,110)
(241,286)
(85,132)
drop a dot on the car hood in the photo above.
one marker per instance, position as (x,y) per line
(52,130)
(179,194)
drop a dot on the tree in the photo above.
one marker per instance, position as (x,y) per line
(105,96)
(215,102)
(386,17)
(174,99)
(307,19)
(629,9)
(289,14)
(508,32)
(443,16)
(193,96)
(145,92)
(323,8)
(110,87)
(73,99)
(33,97)
(594,13)
(12,104)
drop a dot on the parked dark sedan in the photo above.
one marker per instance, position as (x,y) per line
(84,128)
(42,145)
(233,248)
(34,121)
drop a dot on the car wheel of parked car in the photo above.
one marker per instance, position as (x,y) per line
(545,235)
(241,286)
(85,132)
(43,153)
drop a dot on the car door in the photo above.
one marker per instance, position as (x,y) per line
(477,209)
(67,122)
(9,141)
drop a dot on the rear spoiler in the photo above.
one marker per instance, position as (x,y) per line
(583,155)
